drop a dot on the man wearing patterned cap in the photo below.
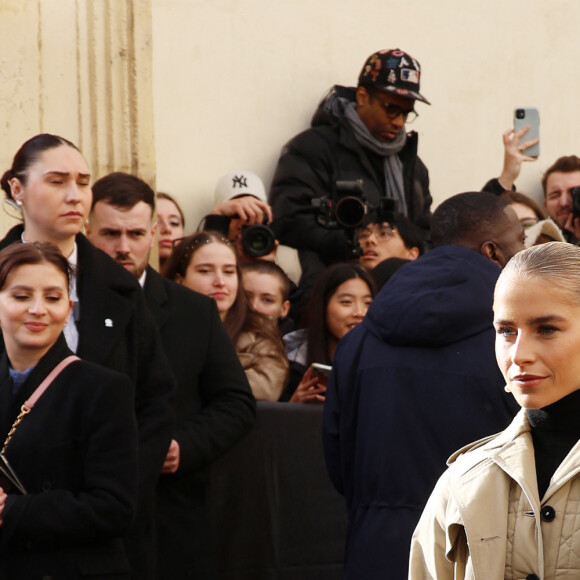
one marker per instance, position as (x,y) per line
(357,133)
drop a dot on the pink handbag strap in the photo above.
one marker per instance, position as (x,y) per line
(39,391)
(31,401)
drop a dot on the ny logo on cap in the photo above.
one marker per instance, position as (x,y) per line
(239,181)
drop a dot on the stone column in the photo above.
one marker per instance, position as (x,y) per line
(80,69)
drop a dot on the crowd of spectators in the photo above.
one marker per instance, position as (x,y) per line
(221,325)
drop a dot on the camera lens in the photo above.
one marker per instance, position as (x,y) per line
(258,240)
(520,113)
(350,211)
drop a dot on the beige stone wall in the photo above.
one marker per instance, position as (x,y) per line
(235,79)
(81,69)
(184,90)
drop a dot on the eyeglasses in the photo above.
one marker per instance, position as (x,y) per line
(382,232)
(393,111)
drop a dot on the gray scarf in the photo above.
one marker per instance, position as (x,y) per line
(392,164)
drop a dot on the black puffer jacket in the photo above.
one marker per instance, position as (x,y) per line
(310,165)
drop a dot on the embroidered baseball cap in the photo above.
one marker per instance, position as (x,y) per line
(239,182)
(393,71)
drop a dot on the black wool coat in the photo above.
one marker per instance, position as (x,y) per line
(116,330)
(214,409)
(76,455)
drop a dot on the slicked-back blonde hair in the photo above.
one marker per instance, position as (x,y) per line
(556,262)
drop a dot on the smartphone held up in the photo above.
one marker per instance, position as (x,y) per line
(528,116)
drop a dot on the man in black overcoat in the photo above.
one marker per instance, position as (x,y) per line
(214,404)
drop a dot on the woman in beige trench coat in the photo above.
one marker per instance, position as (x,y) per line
(508,506)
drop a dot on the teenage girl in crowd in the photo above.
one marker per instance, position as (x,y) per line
(339,301)
(528,211)
(207,263)
(170,224)
(267,289)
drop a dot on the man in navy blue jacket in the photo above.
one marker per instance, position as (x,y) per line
(418,379)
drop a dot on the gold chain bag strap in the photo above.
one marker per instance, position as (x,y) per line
(31,401)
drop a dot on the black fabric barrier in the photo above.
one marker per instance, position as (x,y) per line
(276,514)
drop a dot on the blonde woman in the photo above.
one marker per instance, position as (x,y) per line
(508,506)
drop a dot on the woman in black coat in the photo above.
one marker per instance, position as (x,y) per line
(110,324)
(75,452)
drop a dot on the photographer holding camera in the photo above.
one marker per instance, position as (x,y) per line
(244,215)
(356,133)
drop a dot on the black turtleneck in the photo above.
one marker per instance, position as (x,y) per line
(555,430)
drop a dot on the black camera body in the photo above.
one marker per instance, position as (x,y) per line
(575,192)
(257,240)
(347,210)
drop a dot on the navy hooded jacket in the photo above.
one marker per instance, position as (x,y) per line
(416,380)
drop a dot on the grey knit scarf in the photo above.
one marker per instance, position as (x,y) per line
(392,164)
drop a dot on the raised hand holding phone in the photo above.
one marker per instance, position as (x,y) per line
(520,144)
(528,118)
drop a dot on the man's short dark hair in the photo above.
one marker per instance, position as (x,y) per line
(122,190)
(412,235)
(466,217)
(565,164)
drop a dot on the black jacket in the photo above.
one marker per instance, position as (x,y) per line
(310,165)
(117,331)
(214,409)
(76,455)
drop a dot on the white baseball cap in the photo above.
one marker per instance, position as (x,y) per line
(237,183)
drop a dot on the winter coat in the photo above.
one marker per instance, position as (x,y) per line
(485,520)
(214,408)
(117,331)
(413,382)
(308,168)
(266,366)
(76,455)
